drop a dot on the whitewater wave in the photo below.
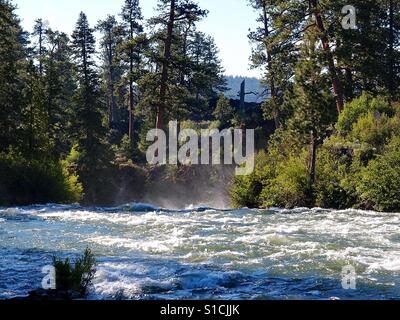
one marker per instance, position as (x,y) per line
(145,251)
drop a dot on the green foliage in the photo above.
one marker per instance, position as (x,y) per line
(379,186)
(329,189)
(123,151)
(224,112)
(360,169)
(374,130)
(77,277)
(24,182)
(276,182)
(12,86)
(360,107)
(245,190)
(54,94)
(290,186)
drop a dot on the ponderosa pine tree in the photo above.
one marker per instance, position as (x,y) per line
(112,37)
(205,76)
(224,111)
(174,16)
(130,51)
(311,100)
(35,115)
(274,59)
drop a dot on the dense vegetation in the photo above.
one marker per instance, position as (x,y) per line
(333,98)
(73,128)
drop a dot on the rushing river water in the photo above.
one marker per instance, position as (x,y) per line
(147,253)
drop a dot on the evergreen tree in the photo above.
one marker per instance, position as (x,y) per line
(60,87)
(173,14)
(205,77)
(40,31)
(112,72)
(311,101)
(224,111)
(132,27)
(88,114)
(273,58)
(13,55)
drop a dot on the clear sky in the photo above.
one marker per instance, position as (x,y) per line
(228,22)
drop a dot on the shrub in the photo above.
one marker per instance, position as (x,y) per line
(290,186)
(246,190)
(374,130)
(362,106)
(331,171)
(30,181)
(379,186)
(77,278)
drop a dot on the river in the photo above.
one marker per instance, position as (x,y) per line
(201,253)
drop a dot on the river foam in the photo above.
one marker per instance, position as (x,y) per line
(145,252)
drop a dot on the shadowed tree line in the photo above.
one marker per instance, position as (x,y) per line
(73,110)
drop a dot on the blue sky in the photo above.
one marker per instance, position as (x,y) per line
(228,22)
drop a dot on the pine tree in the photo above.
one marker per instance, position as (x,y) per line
(311,99)
(172,28)
(205,74)
(13,57)
(88,114)
(40,31)
(112,72)
(60,88)
(224,111)
(131,23)
(275,52)
(35,114)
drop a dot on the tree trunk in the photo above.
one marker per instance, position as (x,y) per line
(184,49)
(337,87)
(391,50)
(131,99)
(312,156)
(111,85)
(164,73)
(349,79)
(41,50)
(269,64)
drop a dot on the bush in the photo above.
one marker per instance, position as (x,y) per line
(77,278)
(332,169)
(379,187)
(362,106)
(357,167)
(24,182)
(374,130)
(290,187)
(246,190)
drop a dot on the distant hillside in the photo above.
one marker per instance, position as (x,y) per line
(252,85)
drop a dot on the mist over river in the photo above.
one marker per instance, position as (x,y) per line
(200,253)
